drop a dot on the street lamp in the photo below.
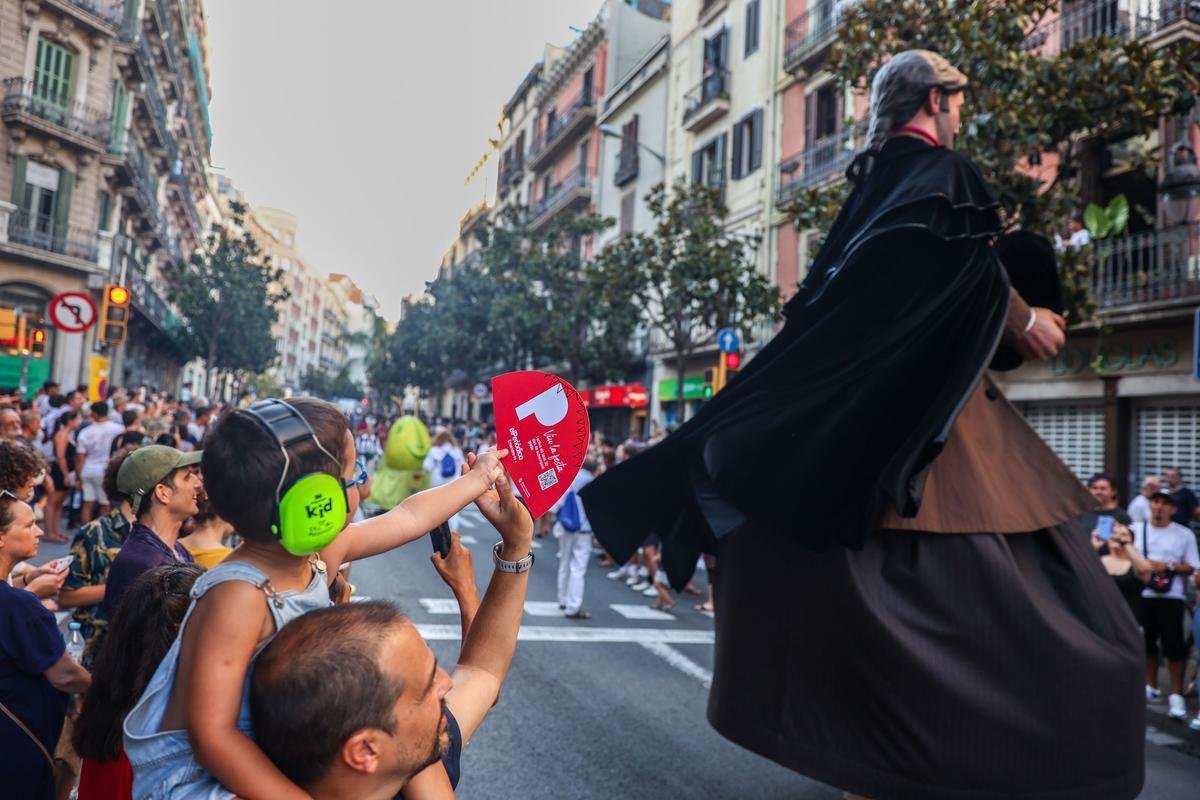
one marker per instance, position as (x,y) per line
(1180,186)
(613,133)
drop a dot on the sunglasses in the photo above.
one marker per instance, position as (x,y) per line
(361,477)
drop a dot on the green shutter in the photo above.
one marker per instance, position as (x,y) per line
(18,187)
(105,211)
(52,75)
(119,108)
(62,202)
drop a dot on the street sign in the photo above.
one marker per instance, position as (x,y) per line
(72,312)
(480,390)
(728,340)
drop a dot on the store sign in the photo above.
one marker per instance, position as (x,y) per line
(624,395)
(1115,357)
(693,389)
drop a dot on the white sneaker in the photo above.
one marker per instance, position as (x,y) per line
(616,574)
(632,579)
(1177,707)
(1152,695)
(641,586)
(1195,724)
(651,592)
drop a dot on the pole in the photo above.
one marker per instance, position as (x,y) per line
(719,381)
(23,350)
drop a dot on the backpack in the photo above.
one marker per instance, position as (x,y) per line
(569,516)
(448,465)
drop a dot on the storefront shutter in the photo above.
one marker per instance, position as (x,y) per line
(1167,436)
(1074,431)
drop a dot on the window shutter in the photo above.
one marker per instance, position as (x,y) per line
(756,140)
(18,187)
(724,49)
(810,120)
(628,201)
(752,10)
(738,137)
(722,145)
(697,166)
(62,202)
(105,208)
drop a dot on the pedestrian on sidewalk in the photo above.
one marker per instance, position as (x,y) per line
(574,534)
(1171,550)
(1139,507)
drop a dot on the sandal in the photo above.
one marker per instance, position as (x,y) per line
(706,610)
(580,614)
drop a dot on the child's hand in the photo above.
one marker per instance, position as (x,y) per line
(488,466)
(457,569)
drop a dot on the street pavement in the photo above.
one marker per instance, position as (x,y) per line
(614,707)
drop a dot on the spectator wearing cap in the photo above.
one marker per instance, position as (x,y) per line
(1187,508)
(1171,550)
(163,486)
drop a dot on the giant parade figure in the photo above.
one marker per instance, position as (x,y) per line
(905,606)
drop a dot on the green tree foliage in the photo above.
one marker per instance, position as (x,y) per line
(227,297)
(319,383)
(1027,96)
(687,277)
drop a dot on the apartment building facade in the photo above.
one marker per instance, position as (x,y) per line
(106,143)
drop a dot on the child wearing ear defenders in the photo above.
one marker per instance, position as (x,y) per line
(189,736)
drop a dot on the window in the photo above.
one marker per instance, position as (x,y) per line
(519,155)
(52,74)
(822,114)
(628,203)
(747,144)
(708,163)
(583,156)
(105,203)
(753,25)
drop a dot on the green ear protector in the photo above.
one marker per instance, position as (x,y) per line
(311,511)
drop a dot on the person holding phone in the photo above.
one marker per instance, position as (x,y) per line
(1130,571)
(1104,490)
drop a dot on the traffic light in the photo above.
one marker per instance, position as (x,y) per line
(37,342)
(733,361)
(114,314)
(709,379)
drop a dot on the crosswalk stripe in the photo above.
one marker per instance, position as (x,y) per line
(570,633)
(468,539)
(641,612)
(439,605)
(542,608)
(680,662)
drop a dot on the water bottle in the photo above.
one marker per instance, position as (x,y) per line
(74,642)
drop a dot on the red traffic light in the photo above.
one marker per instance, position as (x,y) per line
(118,295)
(733,360)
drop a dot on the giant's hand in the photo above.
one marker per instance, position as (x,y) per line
(501,507)
(1045,338)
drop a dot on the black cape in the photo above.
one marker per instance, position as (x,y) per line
(846,408)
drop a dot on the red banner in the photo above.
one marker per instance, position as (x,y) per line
(541,421)
(621,395)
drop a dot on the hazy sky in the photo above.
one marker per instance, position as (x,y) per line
(364,117)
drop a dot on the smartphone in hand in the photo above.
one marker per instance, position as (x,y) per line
(440,537)
(62,564)
(1104,526)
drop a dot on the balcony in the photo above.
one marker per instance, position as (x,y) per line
(561,132)
(709,9)
(1154,269)
(807,38)
(139,61)
(573,191)
(70,122)
(706,102)
(826,159)
(510,176)
(146,298)
(99,16)
(1155,20)
(45,233)
(627,166)
(150,103)
(182,187)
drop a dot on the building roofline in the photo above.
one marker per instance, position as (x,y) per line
(528,82)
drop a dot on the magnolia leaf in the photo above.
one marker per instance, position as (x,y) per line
(1118,214)
(1096,220)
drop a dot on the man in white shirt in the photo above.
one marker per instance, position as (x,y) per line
(574,534)
(1139,509)
(93,445)
(1171,550)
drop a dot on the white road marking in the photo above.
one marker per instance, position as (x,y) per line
(439,605)
(537,545)
(641,612)
(569,633)
(468,539)
(1155,736)
(542,608)
(680,662)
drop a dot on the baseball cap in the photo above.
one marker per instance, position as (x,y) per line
(146,468)
(1165,495)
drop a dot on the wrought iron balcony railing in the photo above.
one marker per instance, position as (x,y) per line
(627,165)
(1132,19)
(1147,267)
(560,123)
(823,159)
(578,179)
(22,95)
(806,34)
(110,12)
(715,86)
(45,233)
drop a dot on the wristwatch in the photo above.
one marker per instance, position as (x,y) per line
(511,566)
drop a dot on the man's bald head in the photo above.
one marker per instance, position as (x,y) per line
(320,681)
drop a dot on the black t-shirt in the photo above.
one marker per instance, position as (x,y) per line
(1088,518)
(30,644)
(1185,506)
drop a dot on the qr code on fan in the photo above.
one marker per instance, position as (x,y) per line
(547,479)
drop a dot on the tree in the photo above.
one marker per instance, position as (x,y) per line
(1026,99)
(688,278)
(227,297)
(319,383)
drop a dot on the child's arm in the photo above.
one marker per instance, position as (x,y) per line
(218,644)
(416,516)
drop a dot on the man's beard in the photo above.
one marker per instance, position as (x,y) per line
(439,747)
(945,133)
